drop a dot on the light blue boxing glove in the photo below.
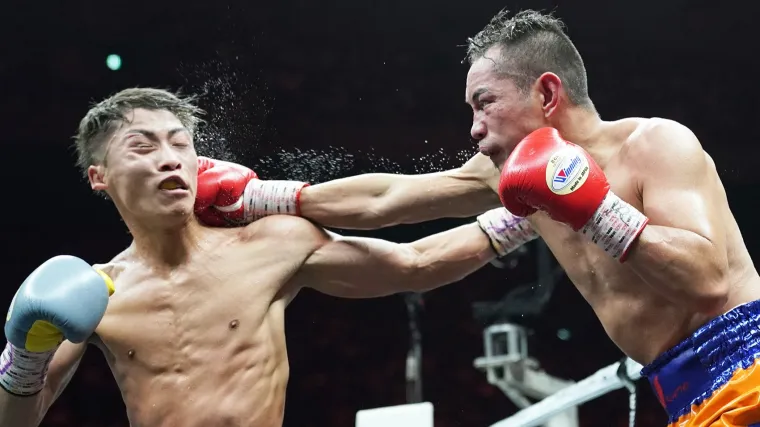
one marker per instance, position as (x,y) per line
(63,298)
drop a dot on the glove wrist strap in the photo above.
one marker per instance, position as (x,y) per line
(264,198)
(506,231)
(615,226)
(23,372)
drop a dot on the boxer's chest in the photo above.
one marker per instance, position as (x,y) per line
(593,272)
(160,322)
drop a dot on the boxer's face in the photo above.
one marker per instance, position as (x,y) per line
(150,168)
(502,114)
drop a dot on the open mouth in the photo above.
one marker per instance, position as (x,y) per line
(488,149)
(172,183)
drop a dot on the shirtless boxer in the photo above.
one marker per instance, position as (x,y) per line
(635,213)
(194,332)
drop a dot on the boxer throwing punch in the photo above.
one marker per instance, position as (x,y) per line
(194,331)
(633,209)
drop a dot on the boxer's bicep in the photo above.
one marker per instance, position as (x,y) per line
(682,251)
(352,267)
(678,183)
(456,193)
(355,267)
(481,168)
(380,200)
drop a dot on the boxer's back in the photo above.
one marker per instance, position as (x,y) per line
(204,343)
(640,321)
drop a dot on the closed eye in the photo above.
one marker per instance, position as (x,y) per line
(181,141)
(142,145)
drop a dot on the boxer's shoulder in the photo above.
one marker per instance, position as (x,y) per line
(657,136)
(116,265)
(659,141)
(274,225)
(284,227)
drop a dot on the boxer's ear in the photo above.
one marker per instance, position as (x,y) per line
(97,177)
(550,86)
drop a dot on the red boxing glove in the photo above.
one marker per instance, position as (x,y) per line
(547,173)
(230,194)
(219,198)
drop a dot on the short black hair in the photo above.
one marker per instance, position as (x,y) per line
(99,121)
(533,43)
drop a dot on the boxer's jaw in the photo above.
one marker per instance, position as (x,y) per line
(499,159)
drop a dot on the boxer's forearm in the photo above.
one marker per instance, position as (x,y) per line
(23,411)
(449,257)
(20,411)
(381,200)
(682,265)
(355,267)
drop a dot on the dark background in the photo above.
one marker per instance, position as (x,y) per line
(321,89)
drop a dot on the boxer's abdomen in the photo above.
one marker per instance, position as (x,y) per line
(640,321)
(233,382)
(202,348)
(249,399)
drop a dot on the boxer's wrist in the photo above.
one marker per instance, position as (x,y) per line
(615,226)
(505,230)
(23,372)
(264,198)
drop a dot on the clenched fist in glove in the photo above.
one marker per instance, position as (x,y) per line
(230,194)
(63,298)
(549,174)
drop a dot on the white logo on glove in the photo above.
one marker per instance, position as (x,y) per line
(567,171)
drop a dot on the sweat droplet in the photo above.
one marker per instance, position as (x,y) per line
(237,129)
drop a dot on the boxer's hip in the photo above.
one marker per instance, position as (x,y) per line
(712,378)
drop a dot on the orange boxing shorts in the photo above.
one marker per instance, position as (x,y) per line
(713,377)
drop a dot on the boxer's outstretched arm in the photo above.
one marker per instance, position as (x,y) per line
(682,251)
(380,200)
(29,411)
(353,267)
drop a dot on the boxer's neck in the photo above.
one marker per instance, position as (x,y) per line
(168,246)
(582,127)
(578,125)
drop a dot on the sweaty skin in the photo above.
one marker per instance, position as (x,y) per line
(691,251)
(194,333)
(642,320)
(380,200)
(204,343)
(690,263)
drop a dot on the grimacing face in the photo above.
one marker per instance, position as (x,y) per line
(150,168)
(502,114)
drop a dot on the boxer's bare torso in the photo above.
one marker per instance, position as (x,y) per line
(203,344)
(641,321)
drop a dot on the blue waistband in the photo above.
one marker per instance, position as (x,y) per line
(690,372)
